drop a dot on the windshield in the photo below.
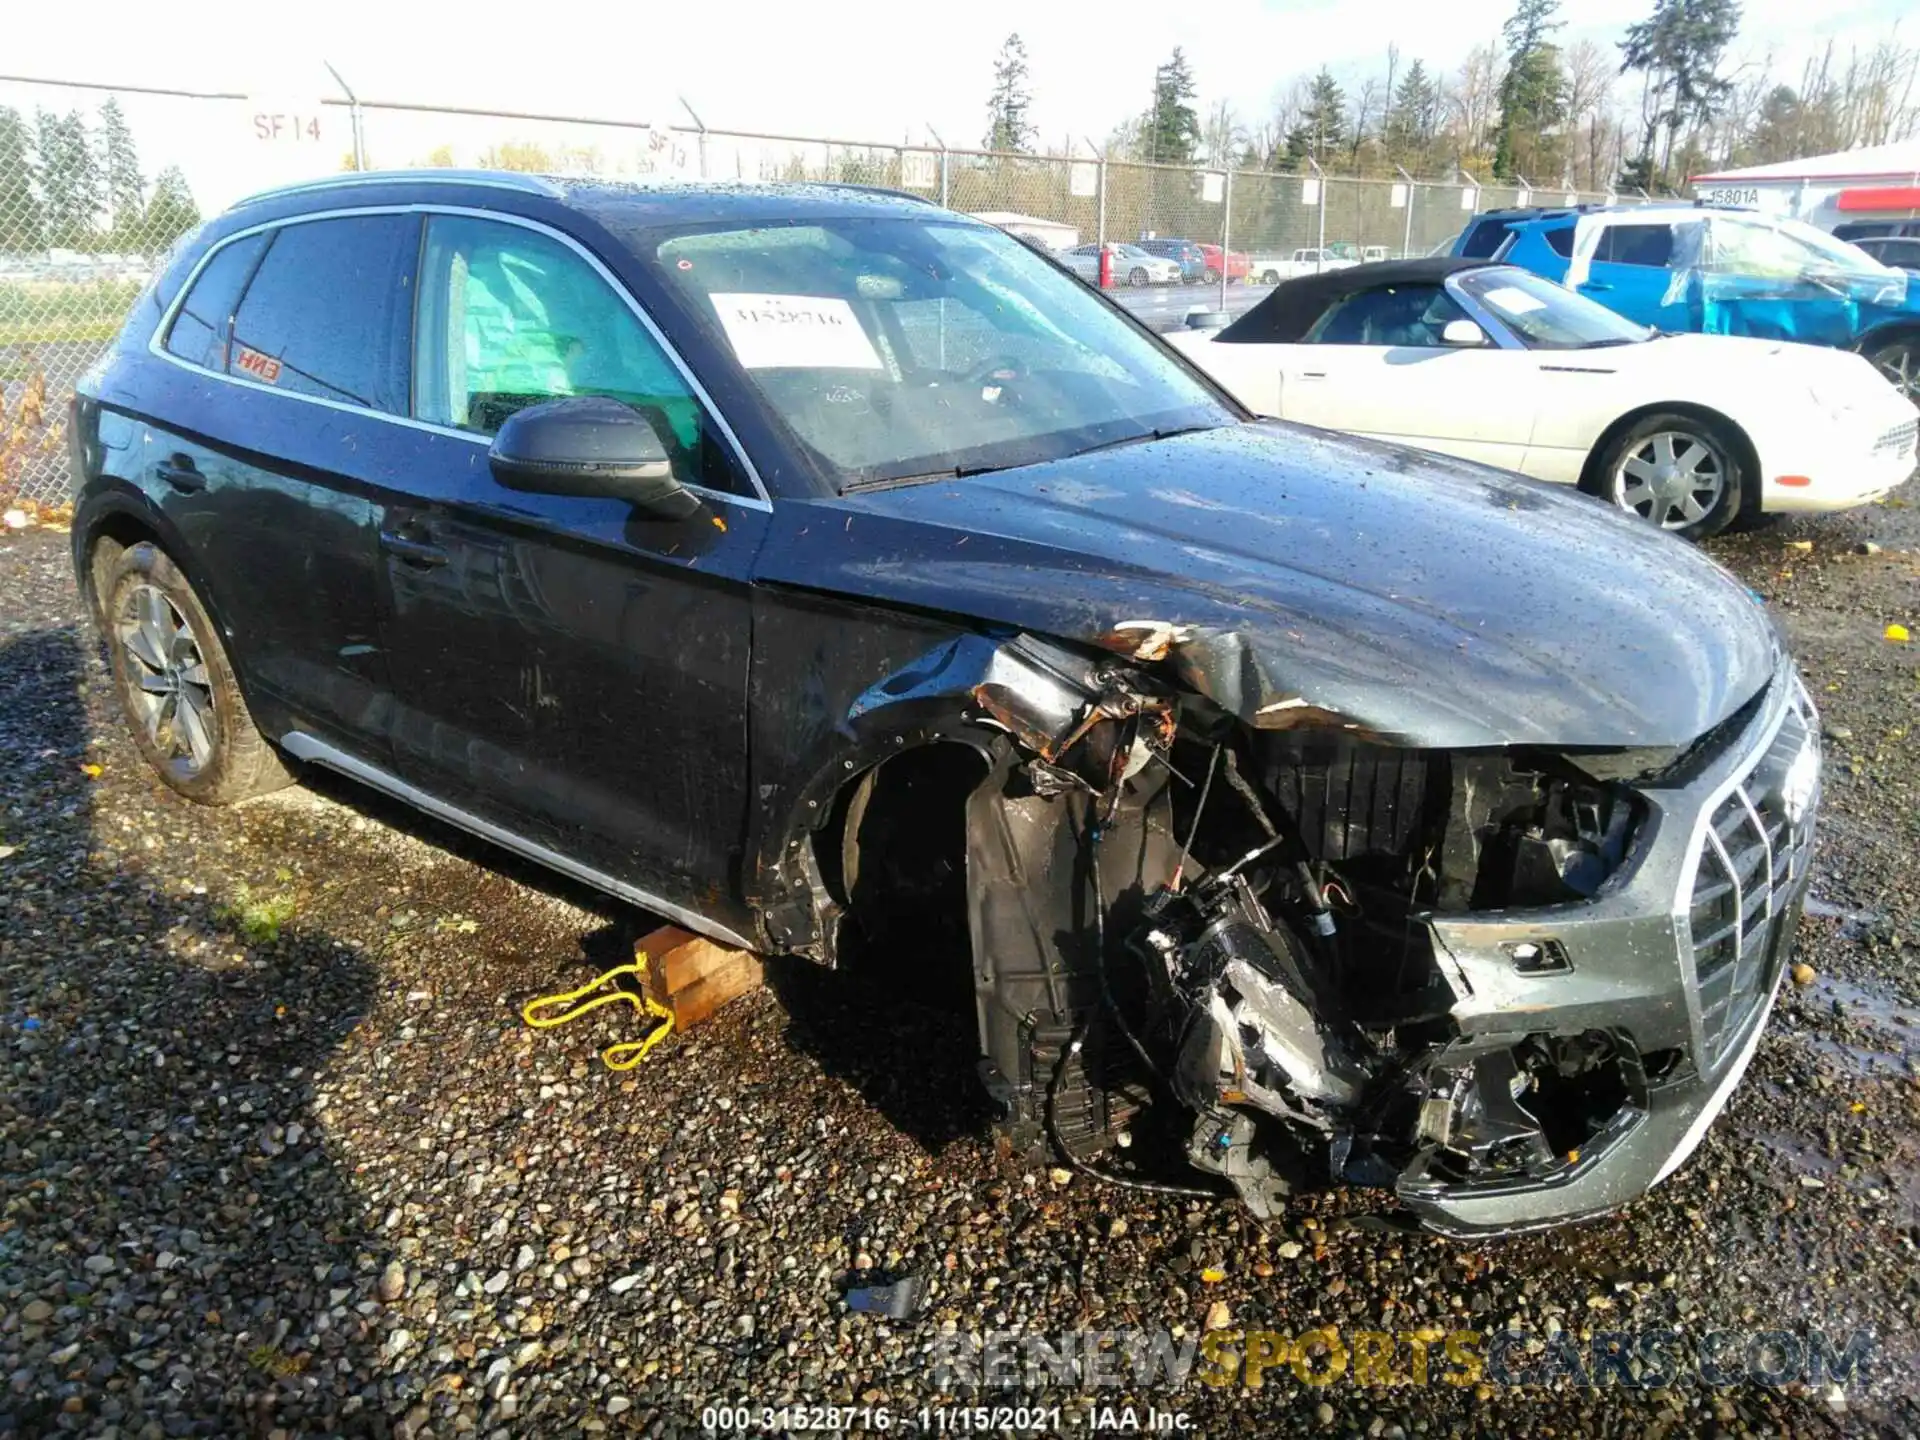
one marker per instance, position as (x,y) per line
(896,348)
(1749,245)
(1543,315)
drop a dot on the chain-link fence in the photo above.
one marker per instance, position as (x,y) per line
(96,185)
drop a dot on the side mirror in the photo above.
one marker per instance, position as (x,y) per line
(1208,319)
(593,446)
(1462,333)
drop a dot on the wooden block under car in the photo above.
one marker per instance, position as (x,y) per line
(694,976)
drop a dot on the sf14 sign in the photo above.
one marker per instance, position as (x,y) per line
(280,121)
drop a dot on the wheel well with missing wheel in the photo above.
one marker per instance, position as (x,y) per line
(893,853)
(1744,453)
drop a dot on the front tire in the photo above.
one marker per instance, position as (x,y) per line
(1899,361)
(177,687)
(1676,471)
(1210,277)
(1136,276)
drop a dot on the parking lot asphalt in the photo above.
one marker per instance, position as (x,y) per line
(1166,307)
(280,1157)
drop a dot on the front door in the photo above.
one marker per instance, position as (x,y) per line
(568,667)
(1375,365)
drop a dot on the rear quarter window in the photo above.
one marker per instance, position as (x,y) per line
(1561,241)
(198,334)
(328,311)
(1484,239)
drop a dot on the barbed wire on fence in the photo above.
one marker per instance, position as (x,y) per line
(83,227)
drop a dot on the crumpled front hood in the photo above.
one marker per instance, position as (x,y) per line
(1297,576)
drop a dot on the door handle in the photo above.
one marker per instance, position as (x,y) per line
(1596,285)
(411,547)
(179,472)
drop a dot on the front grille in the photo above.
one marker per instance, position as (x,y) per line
(1899,440)
(1751,855)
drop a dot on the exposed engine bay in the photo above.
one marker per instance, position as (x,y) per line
(1179,913)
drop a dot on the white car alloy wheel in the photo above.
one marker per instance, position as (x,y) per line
(1671,477)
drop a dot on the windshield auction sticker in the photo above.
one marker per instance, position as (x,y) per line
(811,332)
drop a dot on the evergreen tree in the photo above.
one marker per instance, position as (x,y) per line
(125,190)
(1678,49)
(1413,117)
(1008,127)
(171,212)
(21,226)
(1533,92)
(1322,125)
(71,189)
(1777,130)
(1173,126)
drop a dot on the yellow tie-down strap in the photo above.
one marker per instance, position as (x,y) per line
(574,1003)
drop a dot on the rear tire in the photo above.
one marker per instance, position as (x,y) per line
(1677,471)
(177,687)
(1211,277)
(1136,276)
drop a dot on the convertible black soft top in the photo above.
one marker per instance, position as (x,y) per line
(1285,316)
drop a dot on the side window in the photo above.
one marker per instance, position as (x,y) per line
(326,311)
(1650,245)
(510,317)
(1484,240)
(199,331)
(1392,315)
(1561,241)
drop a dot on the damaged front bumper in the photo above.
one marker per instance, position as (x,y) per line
(1677,963)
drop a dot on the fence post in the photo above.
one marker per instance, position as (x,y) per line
(1320,182)
(1226,237)
(1100,208)
(353,118)
(1406,242)
(701,126)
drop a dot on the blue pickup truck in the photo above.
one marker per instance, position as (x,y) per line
(1718,271)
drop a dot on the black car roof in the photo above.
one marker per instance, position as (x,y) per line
(634,202)
(1286,315)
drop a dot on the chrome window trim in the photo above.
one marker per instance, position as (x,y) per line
(156,344)
(303,746)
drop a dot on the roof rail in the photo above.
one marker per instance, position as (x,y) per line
(497,179)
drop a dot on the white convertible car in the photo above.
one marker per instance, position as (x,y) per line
(1493,363)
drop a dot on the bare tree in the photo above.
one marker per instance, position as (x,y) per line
(1475,101)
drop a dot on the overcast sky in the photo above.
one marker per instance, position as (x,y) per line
(878,69)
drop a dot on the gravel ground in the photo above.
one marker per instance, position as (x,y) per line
(279,1157)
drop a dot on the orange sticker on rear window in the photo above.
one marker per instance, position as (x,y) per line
(261,367)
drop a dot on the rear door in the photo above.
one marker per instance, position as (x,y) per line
(1374,364)
(1646,271)
(291,348)
(569,668)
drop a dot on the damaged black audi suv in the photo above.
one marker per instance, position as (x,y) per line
(810,563)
